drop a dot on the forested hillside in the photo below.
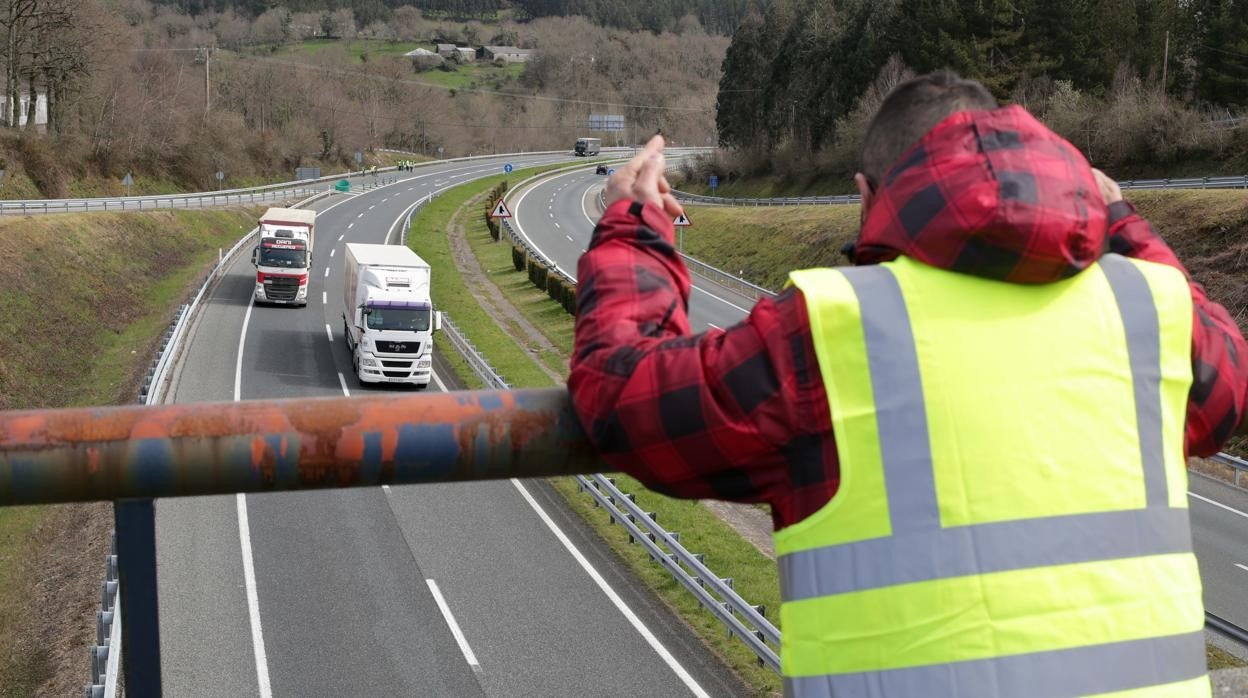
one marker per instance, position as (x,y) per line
(1138,84)
(175,94)
(715,16)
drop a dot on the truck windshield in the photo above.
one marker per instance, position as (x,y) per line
(283,257)
(398,319)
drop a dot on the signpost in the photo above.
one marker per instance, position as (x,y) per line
(681,222)
(606,122)
(128,182)
(508,168)
(714,182)
(500,210)
(220,176)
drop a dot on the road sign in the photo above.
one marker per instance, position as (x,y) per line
(220,176)
(682,220)
(714,182)
(128,181)
(342,185)
(508,168)
(359,157)
(500,210)
(610,170)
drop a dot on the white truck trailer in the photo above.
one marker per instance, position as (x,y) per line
(283,257)
(388,317)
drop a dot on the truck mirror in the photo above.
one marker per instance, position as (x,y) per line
(437,321)
(255,254)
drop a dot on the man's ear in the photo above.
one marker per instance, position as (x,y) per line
(866,190)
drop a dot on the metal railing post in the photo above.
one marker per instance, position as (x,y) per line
(135,520)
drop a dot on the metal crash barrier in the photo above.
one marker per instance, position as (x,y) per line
(133,454)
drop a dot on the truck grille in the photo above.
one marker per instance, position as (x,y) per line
(396,374)
(397,364)
(283,288)
(386,347)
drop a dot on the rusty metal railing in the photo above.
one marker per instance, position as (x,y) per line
(111,453)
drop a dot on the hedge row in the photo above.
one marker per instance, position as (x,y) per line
(560,290)
(490,202)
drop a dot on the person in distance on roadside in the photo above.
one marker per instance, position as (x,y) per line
(973,441)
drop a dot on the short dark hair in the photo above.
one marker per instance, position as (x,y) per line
(911,110)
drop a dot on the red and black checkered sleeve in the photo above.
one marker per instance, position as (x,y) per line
(737,414)
(1219,394)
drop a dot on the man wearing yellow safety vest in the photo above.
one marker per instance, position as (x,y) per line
(973,441)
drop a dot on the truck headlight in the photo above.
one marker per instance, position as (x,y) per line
(424,363)
(368,362)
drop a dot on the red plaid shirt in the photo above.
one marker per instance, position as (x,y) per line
(741,414)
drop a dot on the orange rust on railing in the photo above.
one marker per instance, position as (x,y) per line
(106,453)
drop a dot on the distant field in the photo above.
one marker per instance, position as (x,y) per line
(478,74)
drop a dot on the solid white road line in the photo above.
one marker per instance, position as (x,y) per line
(253,598)
(450,621)
(238,362)
(329,333)
(441,385)
(244,540)
(667,657)
(1233,510)
(343,382)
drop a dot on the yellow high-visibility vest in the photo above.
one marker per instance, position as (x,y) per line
(1012,514)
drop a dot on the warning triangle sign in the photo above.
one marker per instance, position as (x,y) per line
(682,220)
(500,210)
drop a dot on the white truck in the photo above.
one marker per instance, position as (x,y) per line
(388,317)
(588,146)
(283,257)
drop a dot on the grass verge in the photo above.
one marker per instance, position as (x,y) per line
(90,294)
(701,531)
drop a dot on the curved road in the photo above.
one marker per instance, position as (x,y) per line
(1219,512)
(459,589)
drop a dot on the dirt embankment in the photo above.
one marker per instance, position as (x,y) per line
(83,298)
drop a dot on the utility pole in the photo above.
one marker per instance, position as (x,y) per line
(204,53)
(1165,62)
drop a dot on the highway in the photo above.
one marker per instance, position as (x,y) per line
(1219,512)
(449,590)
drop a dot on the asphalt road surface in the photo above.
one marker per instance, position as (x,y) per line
(443,590)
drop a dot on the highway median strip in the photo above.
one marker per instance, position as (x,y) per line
(754,575)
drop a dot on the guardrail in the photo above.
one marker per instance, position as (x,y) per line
(1228,182)
(106,652)
(742,619)
(225,197)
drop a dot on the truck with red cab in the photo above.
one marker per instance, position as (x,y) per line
(283,256)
